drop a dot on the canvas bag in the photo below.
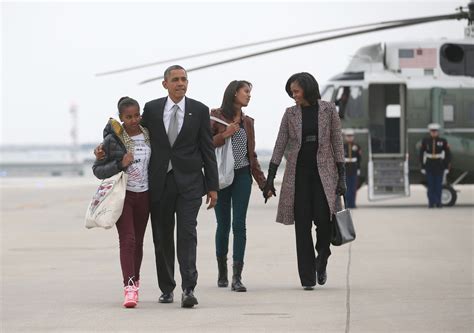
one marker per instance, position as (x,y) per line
(106,205)
(225,160)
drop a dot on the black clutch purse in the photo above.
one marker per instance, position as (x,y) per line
(343,230)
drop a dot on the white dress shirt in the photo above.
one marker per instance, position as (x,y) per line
(168,113)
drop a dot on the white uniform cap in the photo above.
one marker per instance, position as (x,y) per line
(434,127)
(348,131)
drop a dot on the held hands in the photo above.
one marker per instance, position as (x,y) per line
(423,171)
(269,190)
(99,152)
(127,160)
(211,199)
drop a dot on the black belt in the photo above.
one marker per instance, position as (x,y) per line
(245,169)
(310,138)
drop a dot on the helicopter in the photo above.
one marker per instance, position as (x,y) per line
(388,93)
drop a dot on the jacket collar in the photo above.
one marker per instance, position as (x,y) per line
(169,103)
(219,113)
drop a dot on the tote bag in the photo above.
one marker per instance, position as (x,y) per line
(225,160)
(343,230)
(106,205)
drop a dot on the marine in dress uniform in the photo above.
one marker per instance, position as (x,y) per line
(435,159)
(352,158)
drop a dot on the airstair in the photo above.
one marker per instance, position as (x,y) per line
(388,177)
(388,172)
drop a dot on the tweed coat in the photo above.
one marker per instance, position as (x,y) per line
(330,151)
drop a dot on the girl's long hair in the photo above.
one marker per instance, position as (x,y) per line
(227,105)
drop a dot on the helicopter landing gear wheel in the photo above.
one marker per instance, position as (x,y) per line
(448,196)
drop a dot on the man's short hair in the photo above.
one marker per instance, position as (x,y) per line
(172,68)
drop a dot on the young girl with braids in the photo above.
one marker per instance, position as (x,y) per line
(127,148)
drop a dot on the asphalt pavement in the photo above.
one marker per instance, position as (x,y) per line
(409,270)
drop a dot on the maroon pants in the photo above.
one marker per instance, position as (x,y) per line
(131,229)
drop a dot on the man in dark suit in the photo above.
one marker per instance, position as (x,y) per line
(181,144)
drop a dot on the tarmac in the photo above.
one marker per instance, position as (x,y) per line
(409,270)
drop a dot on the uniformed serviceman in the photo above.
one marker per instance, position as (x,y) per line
(352,155)
(435,158)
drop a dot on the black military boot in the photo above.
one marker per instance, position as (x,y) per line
(237,277)
(222,281)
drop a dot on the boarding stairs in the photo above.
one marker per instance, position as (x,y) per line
(388,176)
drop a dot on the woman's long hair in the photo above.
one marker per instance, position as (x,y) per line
(308,83)
(227,105)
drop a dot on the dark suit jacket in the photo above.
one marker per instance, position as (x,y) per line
(192,151)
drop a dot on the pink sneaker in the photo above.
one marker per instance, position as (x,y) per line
(137,285)
(131,296)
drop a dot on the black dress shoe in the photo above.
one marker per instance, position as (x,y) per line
(322,277)
(308,287)
(188,300)
(166,298)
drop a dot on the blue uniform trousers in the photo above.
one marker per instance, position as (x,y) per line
(351,181)
(435,186)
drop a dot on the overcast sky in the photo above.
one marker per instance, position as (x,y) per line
(52,50)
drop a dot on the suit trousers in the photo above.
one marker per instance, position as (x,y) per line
(163,222)
(311,206)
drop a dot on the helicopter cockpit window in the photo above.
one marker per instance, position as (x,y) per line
(328,91)
(349,102)
(457,59)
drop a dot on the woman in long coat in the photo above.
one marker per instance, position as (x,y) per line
(310,137)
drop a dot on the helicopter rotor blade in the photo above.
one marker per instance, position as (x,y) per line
(263,42)
(236,47)
(403,23)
